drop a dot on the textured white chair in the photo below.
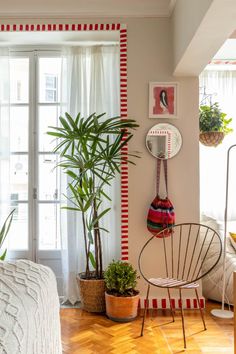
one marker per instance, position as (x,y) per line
(29,309)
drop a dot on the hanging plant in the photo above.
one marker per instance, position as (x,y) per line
(213,124)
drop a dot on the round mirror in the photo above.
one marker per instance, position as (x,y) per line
(163,141)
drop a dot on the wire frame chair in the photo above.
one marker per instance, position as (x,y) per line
(176,258)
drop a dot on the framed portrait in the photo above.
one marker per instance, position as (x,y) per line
(163,100)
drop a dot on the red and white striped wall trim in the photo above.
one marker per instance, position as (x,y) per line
(123,98)
(61,27)
(223,62)
(124,165)
(163,303)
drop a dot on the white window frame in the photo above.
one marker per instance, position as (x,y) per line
(33,253)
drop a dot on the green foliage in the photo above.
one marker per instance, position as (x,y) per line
(4,231)
(120,278)
(211,119)
(91,155)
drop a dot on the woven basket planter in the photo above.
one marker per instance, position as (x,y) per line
(211,138)
(92,293)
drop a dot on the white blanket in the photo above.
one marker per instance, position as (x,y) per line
(29,309)
(213,283)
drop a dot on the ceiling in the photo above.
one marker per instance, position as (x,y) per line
(86,8)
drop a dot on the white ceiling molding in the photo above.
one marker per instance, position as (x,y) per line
(84,8)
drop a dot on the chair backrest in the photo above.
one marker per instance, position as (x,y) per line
(187,252)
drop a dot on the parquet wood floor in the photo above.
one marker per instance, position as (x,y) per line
(87,333)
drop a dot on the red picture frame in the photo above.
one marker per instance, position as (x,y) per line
(162,100)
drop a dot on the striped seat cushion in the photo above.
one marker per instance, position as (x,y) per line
(173,283)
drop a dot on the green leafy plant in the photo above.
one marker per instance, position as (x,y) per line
(91,155)
(4,231)
(120,279)
(212,119)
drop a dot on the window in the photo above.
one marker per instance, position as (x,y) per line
(50,88)
(34,181)
(220,84)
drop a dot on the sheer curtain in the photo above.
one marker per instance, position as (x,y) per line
(90,83)
(4,133)
(222,84)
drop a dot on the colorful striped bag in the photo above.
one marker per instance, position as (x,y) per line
(161,212)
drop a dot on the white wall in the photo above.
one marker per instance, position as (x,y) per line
(150,59)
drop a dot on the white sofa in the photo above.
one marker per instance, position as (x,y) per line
(29,309)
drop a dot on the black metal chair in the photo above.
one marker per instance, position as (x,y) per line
(176,258)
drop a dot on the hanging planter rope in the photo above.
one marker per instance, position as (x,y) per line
(211,138)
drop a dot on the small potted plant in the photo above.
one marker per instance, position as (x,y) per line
(121,296)
(213,124)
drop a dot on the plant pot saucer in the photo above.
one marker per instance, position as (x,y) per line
(211,138)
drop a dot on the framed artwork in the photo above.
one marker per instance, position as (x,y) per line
(162,100)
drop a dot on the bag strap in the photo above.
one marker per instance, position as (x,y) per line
(159,175)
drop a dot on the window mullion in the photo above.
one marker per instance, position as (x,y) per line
(33,156)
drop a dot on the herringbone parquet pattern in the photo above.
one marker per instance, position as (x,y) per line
(86,333)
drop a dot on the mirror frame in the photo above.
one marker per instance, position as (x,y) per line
(153,131)
(50,27)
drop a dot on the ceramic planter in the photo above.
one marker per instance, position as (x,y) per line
(121,308)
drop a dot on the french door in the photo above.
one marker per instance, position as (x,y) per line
(34,180)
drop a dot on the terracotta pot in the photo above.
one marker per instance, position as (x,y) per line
(92,294)
(121,308)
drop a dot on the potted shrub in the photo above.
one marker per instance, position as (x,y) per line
(121,296)
(213,124)
(91,155)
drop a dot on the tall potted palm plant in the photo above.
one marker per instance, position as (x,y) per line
(91,155)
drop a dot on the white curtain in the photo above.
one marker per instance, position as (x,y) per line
(90,83)
(4,133)
(222,85)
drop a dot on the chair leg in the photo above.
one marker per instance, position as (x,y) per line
(200,309)
(171,308)
(182,317)
(145,309)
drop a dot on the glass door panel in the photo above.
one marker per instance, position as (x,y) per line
(19,177)
(48,116)
(19,80)
(19,126)
(18,234)
(48,177)
(49,80)
(49,226)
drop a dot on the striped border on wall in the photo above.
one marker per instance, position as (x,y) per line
(163,303)
(60,27)
(223,62)
(123,99)
(124,164)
